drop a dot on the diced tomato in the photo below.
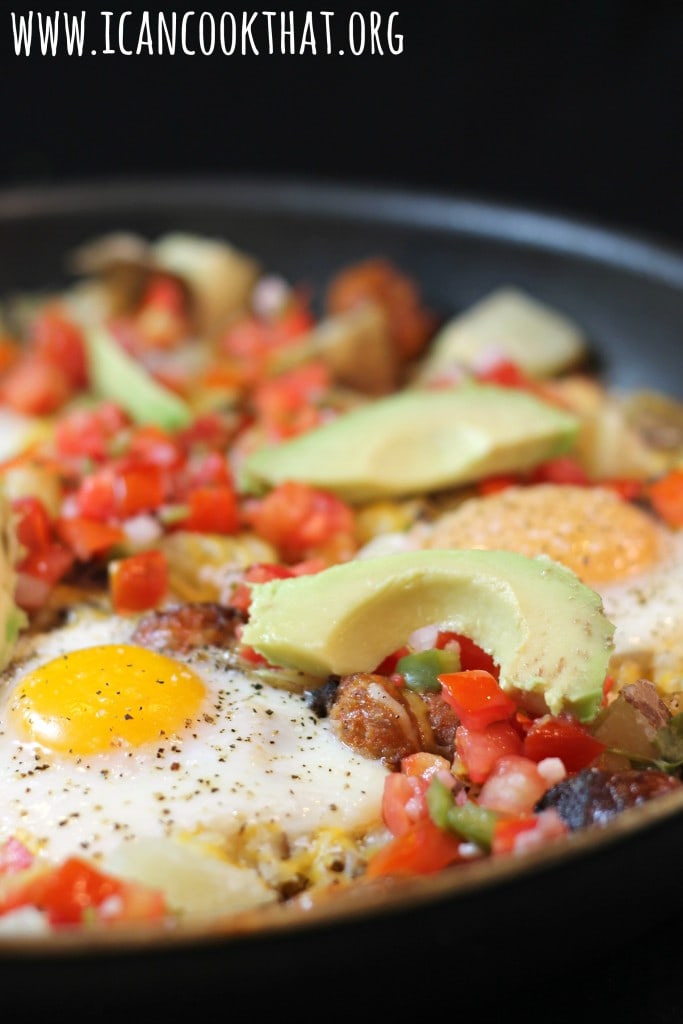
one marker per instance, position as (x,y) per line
(260,572)
(202,470)
(494,484)
(506,373)
(249,654)
(113,494)
(143,490)
(666,497)
(308,566)
(513,785)
(563,738)
(422,849)
(246,340)
(165,292)
(253,338)
(564,469)
(300,520)
(34,386)
(139,582)
(212,510)
(403,801)
(264,572)
(480,749)
(476,698)
(68,892)
(286,404)
(212,431)
(50,564)
(507,831)
(59,341)
(629,490)
(97,496)
(527,831)
(152,446)
(304,419)
(471,654)
(281,395)
(89,432)
(33,526)
(87,537)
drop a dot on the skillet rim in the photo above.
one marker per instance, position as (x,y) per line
(527,225)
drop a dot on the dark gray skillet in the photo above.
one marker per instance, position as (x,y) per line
(568,927)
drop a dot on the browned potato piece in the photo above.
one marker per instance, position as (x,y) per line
(378,281)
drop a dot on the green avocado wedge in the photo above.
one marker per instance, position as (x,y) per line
(545,629)
(118,377)
(12,618)
(418,440)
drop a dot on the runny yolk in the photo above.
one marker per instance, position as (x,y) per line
(591,530)
(98,698)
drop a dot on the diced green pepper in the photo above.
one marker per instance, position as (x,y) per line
(439,803)
(475,824)
(421,669)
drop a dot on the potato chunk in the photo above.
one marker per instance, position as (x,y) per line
(508,324)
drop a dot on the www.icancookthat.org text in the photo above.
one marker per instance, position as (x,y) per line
(206,33)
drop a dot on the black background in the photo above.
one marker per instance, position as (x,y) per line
(574,107)
(571,106)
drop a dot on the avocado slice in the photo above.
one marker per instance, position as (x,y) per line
(12,618)
(545,629)
(417,441)
(117,376)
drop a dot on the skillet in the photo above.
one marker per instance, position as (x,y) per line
(528,915)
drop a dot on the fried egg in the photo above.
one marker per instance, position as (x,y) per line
(104,742)
(621,551)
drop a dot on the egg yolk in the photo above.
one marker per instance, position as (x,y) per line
(591,530)
(94,699)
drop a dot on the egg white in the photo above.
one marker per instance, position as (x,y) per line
(254,755)
(647,610)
